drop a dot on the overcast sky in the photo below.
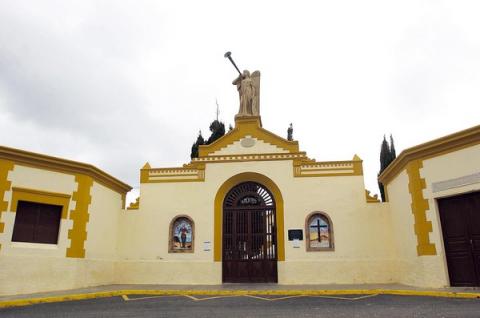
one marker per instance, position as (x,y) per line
(119,83)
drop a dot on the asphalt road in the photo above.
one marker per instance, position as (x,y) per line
(242,306)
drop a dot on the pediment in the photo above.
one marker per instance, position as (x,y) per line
(248,137)
(249,145)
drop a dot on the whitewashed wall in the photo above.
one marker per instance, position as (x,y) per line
(363,240)
(33,267)
(429,271)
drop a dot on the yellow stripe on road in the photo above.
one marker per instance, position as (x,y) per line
(234,293)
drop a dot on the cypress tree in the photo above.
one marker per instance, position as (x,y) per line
(384,158)
(384,154)
(200,141)
(387,155)
(218,130)
(393,153)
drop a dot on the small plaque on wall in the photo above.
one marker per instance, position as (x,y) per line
(296,243)
(295,235)
(207,246)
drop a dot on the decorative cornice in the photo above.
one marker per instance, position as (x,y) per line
(36,160)
(248,126)
(450,143)
(370,198)
(251,127)
(134,205)
(302,167)
(192,173)
(250,157)
(311,168)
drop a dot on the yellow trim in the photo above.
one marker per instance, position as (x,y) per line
(299,163)
(144,176)
(37,196)
(248,126)
(370,198)
(218,210)
(450,143)
(419,207)
(144,173)
(5,167)
(239,157)
(134,205)
(317,175)
(80,216)
(40,161)
(248,157)
(124,200)
(356,168)
(196,173)
(175,180)
(223,292)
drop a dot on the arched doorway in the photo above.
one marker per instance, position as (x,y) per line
(249,240)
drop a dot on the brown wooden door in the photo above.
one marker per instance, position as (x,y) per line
(460,218)
(36,223)
(249,235)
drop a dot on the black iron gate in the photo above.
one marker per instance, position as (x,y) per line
(249,235)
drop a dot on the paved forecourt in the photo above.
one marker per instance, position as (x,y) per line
(231,290)
(249,305)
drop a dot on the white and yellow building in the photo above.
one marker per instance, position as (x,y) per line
(252,207)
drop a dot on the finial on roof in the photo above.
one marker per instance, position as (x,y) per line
(356,158)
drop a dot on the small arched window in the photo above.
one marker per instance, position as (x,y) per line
(319,232)
(181,235)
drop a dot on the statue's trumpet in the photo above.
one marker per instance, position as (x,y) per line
(228,55)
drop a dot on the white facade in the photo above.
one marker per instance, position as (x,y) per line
(33,267)
(101,242)
(453,173)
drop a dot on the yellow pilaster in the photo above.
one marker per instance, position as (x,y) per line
(80,215)
(419,207)
(357,166)
(5,167)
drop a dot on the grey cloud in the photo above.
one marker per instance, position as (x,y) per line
(116,84)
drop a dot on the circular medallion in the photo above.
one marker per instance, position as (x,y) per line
(247,142)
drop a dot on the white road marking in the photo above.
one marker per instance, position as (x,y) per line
(126,298)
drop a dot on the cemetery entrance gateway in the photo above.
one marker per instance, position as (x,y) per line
(249,243)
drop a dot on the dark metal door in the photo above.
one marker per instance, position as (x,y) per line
(249,235)
(460,218)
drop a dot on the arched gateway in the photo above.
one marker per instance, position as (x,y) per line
(249,240)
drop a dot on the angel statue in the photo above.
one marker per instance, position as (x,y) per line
(249,91)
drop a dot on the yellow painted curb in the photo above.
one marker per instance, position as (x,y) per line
(54,299)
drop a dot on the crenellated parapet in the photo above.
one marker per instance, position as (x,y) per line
(188,173)
(312,168)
